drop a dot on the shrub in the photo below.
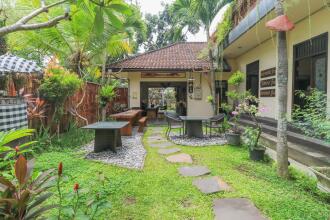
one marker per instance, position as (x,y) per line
(311,117)
(57,87)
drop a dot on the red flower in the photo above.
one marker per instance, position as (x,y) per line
(76,187)
(60,169)
(16,149)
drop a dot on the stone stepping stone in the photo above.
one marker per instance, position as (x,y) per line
(194,171)
(169,151)
(179,158)
(236,209)
(162,144)
(208,185)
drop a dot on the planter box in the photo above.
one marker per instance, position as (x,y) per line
(323,177)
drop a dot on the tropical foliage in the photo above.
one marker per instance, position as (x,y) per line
(24,197)
(96,29)
(108,93)
(8,153)
(311,116)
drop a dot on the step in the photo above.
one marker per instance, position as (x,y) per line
(300,153)
(293,137)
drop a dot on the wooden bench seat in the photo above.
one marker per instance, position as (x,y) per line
(142,123)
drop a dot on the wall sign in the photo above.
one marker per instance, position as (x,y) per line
(268,72)
(268,82)
(267,93)
(163,75)
(198,93)
(190,86)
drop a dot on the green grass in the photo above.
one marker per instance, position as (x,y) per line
(160,193)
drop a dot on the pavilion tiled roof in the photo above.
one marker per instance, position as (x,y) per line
(178,56)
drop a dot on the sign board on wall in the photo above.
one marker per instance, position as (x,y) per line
(267,93)
(266,83)
(268,72)
(198,93)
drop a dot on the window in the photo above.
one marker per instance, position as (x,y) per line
(310,65)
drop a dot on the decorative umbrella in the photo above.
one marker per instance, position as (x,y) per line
(13,64)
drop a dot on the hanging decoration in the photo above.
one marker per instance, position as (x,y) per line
(280,23)
(191,84)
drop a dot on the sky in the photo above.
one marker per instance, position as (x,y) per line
(155,6)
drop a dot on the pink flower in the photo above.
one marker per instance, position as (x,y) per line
(263,109)
(234,113)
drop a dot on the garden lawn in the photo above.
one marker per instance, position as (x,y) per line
(159,192)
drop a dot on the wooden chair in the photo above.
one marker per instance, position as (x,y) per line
(173,118)
(142,123)
(214,123)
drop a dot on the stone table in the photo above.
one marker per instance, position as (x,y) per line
(107,135)
(194,125)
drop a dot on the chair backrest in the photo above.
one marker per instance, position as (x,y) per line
(170,116)
(218,117)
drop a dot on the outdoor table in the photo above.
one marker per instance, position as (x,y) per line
(107,135)
(131,116)
(194,125)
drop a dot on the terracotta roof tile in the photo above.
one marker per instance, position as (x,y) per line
(178,56)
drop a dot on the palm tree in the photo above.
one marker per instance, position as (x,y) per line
(94,32)
(204,12)
(282,88)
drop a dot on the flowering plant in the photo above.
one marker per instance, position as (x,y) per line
(235,117)
(250,106)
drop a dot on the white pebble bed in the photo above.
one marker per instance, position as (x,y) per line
(199,142)
(131,155)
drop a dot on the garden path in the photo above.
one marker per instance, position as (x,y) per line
(224,209)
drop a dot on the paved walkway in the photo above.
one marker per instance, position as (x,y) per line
(224,209)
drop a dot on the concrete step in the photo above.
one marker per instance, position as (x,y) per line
(300,153)
(293,137)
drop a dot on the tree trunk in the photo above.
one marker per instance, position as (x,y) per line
(104,113)
(212,72)
(282,87)
(3,44)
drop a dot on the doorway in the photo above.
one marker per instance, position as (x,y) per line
(171,96)
(252,78)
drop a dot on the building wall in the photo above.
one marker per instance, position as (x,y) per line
(267,55)
(194,107)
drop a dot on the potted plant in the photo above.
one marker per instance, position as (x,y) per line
(233,134)
(252,135)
